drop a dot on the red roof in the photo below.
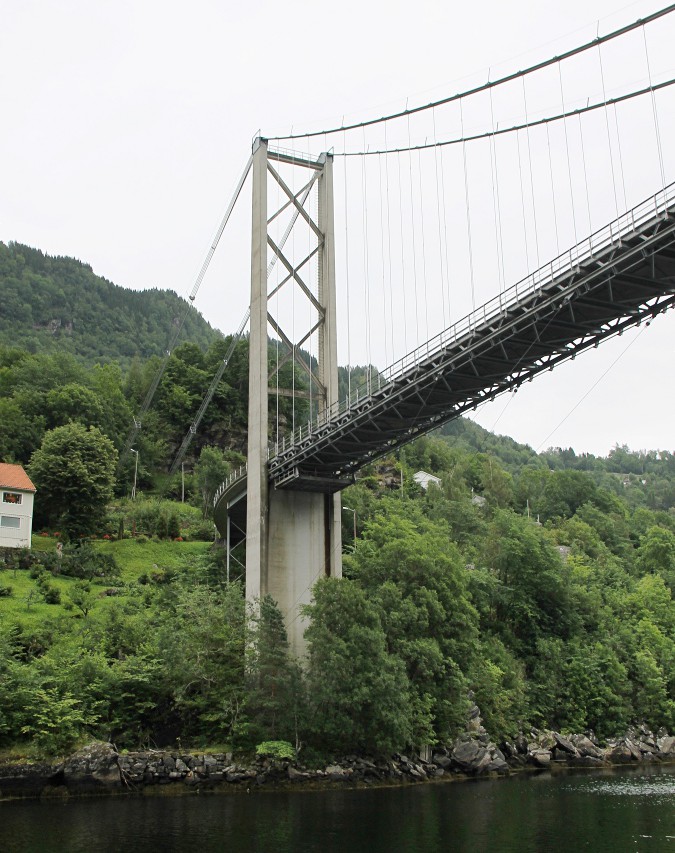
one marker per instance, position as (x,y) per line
(14,477)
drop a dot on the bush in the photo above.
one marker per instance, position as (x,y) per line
(85,562)
(277,750)
(5,591)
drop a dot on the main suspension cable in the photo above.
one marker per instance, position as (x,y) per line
(515,127)
(408,111)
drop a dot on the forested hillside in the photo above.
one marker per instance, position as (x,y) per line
(56,304)
(538,585)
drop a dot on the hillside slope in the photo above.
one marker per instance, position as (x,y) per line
(54,304)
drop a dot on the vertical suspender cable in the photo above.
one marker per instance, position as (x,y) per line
(445,232)
(402,241)
(609,136)
(522,203)
(424,253)
(311,339)
(293,355)
(412,228)
(529,157)
(391,296)
(276,337)
(384,283)
(495,195)
(438,216)
(366,281)
(349,337)
(583,160)
(468,212)
(567,150)
(657,131)
(555,214)
(618,145)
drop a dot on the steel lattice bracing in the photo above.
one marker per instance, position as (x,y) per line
(621,276)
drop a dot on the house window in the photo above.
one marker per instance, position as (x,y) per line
(10,521)
(11,497)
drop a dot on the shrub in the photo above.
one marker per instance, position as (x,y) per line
(277,750)
(5,591)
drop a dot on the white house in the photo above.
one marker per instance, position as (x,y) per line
(16,507)
(425,480)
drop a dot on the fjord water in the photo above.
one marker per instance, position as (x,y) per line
(622,810)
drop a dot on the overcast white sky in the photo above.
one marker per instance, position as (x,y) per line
(127,124)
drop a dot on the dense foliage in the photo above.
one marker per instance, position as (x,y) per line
(539,586)
(57,304)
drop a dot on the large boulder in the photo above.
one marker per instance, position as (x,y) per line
(95,766)
(540,757)
(565,744)
(619,754)
(666,745)
(471,757)
(585,746)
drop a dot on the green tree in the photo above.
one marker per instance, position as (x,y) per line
(212,468)
(274,703)
(358,696)
(414,573)
(74,473)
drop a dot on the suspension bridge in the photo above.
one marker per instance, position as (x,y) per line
(410,254)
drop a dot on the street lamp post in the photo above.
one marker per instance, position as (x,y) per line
(133,490)
(353,511)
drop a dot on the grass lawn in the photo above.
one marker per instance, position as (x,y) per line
(135,557)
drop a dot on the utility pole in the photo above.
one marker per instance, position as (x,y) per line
(133,490)
(353,511)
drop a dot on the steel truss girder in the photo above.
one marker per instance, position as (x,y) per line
(635,281)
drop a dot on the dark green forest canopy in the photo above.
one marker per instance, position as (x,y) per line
(539,585)
(58,304)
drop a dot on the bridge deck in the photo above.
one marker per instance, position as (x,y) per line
(618,277)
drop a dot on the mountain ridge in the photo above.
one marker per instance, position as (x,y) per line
(56,303)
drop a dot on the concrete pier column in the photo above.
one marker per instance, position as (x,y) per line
(257,510)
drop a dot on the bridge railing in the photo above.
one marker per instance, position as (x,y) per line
(630,222)
(225,485)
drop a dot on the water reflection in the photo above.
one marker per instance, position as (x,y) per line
(613,811)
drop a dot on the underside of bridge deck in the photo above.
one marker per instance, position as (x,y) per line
(628,283)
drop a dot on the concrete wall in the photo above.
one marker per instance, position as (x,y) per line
(304,544)
(16,537)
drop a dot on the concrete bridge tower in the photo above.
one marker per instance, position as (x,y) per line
(293,531)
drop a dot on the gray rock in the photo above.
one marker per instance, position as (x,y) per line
(471,757)
(666,745)
(588,761)
(521,744)
(296,775)
(585,746)
(540,757)
(337,773)
(92,767)
(565,744)
(619,754)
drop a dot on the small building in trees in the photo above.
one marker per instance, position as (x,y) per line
(423,479)
(16,506)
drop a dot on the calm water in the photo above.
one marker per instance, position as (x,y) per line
(612,811)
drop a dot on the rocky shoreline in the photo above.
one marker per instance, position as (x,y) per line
(100,769)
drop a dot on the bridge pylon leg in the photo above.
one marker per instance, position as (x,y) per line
(293,535)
